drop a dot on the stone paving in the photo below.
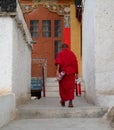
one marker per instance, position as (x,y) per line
(58,124)
(35,115)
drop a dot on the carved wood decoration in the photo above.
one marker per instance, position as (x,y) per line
(8,5)
(51,5)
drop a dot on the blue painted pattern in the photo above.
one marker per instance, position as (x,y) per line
(36,83)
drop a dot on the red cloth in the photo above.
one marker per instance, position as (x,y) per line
(66,36)
(68,63)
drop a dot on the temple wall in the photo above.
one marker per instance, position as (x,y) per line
(98,51)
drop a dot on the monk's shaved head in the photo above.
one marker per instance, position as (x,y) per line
(64,45)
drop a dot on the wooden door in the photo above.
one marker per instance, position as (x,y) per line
(47,30)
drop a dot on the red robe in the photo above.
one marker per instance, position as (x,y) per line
(68,63)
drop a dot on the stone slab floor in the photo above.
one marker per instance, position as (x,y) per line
(59,124)
(74,123)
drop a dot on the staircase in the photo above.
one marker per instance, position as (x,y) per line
(49,106)
(47,113)
(52,88)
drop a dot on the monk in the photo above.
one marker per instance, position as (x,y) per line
(66,62)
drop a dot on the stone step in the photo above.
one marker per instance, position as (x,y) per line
(52,89)
(51,79)
(52,84)
(51,108)
(56,93)
(52,93)
(56,88)
(38,113)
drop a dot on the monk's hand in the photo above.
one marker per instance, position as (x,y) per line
(57,73)
(58,67)
(76,76)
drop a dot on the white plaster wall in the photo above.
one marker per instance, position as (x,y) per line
(88,48)
(15,56)
(21,66)
(98,51)
(6,57)
(7,108)
(105,52)
(15,64)
(21,78)
(105,45)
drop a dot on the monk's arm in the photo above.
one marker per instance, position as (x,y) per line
(58,67)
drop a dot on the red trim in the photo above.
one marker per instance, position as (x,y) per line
(66,36)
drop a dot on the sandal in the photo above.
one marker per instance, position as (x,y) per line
(62,103)
(70,105)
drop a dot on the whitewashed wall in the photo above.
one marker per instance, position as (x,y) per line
(21,66)
(15,56)
(21,58)
(88,41)
(98,51)
(7,108)
(105,52)
(6,57)
(15,64)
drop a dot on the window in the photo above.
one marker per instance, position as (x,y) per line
(46,28)
(57,28)
(34,28)
(57,47)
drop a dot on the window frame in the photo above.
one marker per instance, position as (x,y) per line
(46,28)
(34,28)
(57,28)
